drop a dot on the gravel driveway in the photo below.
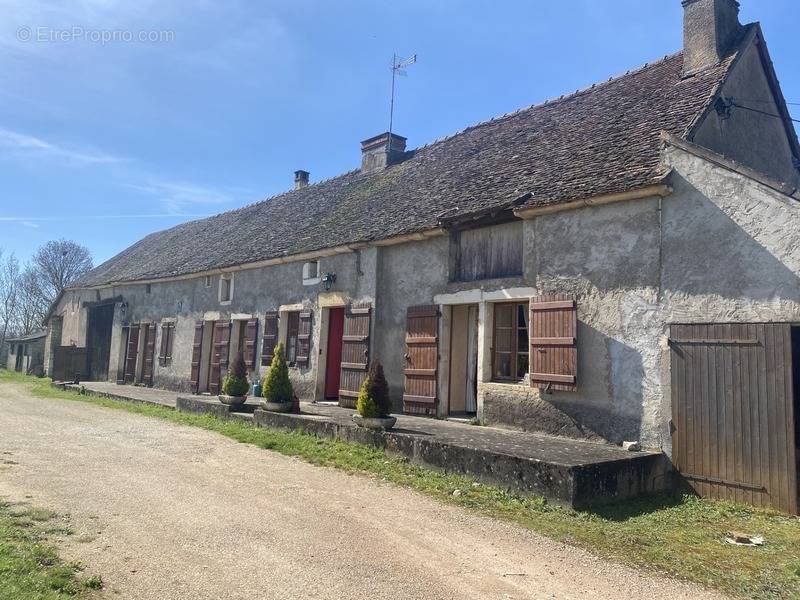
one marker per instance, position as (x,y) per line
(166,512)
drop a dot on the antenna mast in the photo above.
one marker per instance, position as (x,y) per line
(398,68)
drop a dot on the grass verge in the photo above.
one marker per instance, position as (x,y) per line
(674,534)
(30,568)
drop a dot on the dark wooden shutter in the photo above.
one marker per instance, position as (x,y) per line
(197,351)
(421,359)
(131,354)
(270,339)
(355,353)
(162,349)
(304,338)
(219,354)
(170,342)
(250,336)
(553,331)
(149,353)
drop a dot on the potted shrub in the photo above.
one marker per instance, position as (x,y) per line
(235,385)
(277,388)
(373,406)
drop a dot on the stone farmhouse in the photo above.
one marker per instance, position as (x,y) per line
(617,264)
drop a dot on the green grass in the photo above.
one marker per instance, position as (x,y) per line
(675,534)
(30,568)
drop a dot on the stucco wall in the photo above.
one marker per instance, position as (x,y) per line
(755,140)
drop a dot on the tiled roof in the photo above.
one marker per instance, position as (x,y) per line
(604,139)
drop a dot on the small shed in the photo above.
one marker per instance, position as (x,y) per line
(26,353)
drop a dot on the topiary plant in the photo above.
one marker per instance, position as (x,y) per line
(379,389)
(235,382)
(277,386)
(373,397)
(365,405)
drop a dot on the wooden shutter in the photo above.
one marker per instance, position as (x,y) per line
(422,356)
(219,354)
(149,353)
(553,331)
(250,336)
(197,351)
(355,353)
(270,339)
(304,339)
(163,349)
(170,342)
(131,354)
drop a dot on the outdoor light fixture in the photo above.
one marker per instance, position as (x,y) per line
(123,307)
(328,281)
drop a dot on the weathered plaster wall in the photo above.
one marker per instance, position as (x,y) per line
(755,140)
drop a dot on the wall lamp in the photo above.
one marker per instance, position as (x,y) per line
(328,280)
(123,307)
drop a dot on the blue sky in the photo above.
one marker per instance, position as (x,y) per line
(106,142)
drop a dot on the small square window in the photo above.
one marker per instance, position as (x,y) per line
(149,288)
(225,288)
(311,273)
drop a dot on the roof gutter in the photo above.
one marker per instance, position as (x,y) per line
(650,191)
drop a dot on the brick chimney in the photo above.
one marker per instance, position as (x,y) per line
(301,179)
(710,27)
(380,151)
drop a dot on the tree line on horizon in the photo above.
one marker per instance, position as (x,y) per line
(27,291)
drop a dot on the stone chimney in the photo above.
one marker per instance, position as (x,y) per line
(380,151)
(301,179)
(710,27)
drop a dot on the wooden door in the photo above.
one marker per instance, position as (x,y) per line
(219,355)
(554,342)
(270,338)
(197,352)
(355,353)
(149,349)
(333,364)
(421,360)
(249,346)
(732,412)
(131,354)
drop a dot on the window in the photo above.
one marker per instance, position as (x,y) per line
(207,281)
(311,273)
(510,358)
(225,288)
(292,330)
(149,288)
(487,253)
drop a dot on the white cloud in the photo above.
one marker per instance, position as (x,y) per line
(24,145)
(177,197)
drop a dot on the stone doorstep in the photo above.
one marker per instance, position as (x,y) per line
(604,481)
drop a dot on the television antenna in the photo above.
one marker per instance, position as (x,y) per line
(398,68)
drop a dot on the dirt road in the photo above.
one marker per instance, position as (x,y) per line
(170,512)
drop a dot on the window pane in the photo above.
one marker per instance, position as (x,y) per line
(503,315)
(503,340)
(502,364)
(522,340)
(522,315)
(522,365)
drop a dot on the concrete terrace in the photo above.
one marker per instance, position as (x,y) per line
(570,472)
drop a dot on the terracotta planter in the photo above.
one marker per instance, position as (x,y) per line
(279,407)
(232,400)
(376,423)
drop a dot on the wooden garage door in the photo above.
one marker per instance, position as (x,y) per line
(422,356)
(732,409)
(355,353)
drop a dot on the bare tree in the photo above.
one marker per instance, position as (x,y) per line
(9,294)
(32,302)
(57,264)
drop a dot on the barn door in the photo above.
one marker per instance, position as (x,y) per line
(270,338)
(131,354)
(421,358)
(355,353)
(732,412)
(553,341)
(197,352)
(149,353)
(219,354)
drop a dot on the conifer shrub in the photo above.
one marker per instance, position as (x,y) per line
(235,382)
(373,397)
(277,387)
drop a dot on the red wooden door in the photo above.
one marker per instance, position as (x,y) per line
(355,353)
(422,355)
(131,354)
(334,359)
